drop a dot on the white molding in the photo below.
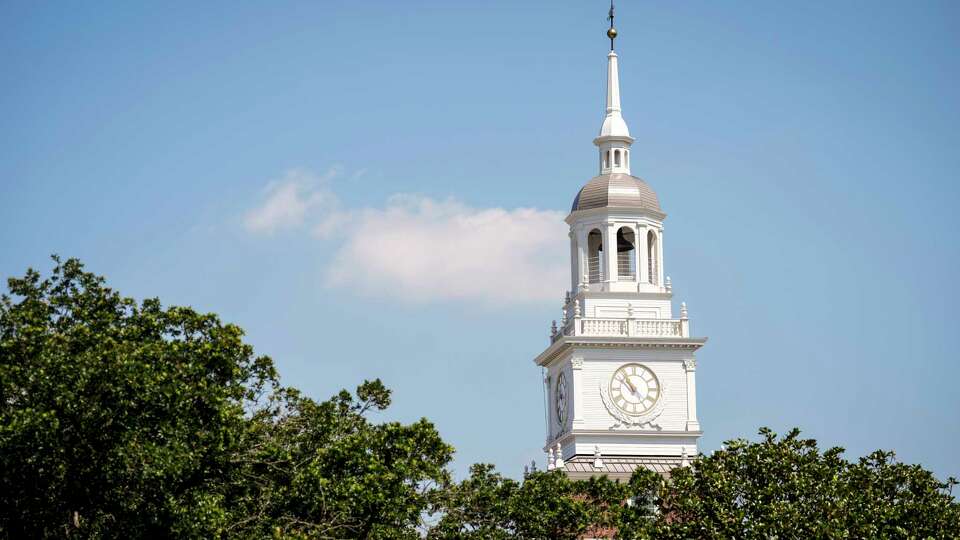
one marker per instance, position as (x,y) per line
(631,295)
(561,345)
(627,434)
(633,432)
(576,372)
(615,212)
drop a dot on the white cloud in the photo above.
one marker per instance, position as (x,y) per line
(290,199)
(331,222)
(421,249)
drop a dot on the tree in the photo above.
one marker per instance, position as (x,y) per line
(121,419)
(785,487)
(322,470)
(476,508)
(117,419)
(545,505)
(778,487)
(127,420)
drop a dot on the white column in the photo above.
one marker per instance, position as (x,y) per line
(690,366)
(642,273)
(549,415)
(576,367)
(582,264)
(660,258)
(653,258)
(610,247)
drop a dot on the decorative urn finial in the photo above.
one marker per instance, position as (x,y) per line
(597,460)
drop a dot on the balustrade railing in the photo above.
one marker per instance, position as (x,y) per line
(625,267)
(594,269)
(596,327)
(603,327)
(658,328)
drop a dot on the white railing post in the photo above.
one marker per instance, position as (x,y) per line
(563,317)
(684,321)
(577,330)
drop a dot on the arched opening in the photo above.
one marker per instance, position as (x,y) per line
(652,268)
(606,159)
(616,158)
(626,158)
(595,256)
(626,255)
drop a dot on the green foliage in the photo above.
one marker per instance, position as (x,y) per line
(476,508)
(545,505)
(779,487)
(121,419)
(785,487)
(115,418)
(322,470)
(126,420)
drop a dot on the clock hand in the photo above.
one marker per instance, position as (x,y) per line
(630,384)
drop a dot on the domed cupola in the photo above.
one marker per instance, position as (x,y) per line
(616,191)
(615,187)
(616,223)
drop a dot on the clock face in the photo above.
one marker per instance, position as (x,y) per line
(560,397)
(634,389)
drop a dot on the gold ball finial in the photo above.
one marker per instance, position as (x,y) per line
(612,33)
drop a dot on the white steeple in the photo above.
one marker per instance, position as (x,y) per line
(614,140)
(620,368)
(613,123)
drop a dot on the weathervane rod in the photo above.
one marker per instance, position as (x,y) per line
(612,32)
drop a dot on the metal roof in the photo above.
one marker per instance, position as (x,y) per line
(616,190)
(619,466)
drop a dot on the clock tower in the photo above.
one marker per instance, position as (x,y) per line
(620,372)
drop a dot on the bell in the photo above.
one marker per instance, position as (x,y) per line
(622,243)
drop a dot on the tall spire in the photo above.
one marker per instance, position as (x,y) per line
(614,139)
(613,85)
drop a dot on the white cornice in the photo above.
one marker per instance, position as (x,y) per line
(628,212)
(642,295)
(620,433)
(626,139)
(566,342)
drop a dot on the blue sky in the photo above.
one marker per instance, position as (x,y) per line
(376,189)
